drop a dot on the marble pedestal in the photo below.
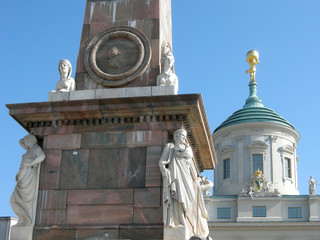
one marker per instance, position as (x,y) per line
(101,175)
(180,233)
(21,232)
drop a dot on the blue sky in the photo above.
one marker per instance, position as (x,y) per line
(210,42)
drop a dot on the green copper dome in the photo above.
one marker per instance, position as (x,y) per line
(254,111)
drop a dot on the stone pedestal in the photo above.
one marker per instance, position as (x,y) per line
(101,174)
(21,232)
(176,233)
(313,208)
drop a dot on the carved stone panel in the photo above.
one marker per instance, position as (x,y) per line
(117,56)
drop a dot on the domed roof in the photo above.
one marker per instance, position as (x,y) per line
(254,111)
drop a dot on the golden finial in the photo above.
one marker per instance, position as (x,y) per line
(252,59)
(258,173)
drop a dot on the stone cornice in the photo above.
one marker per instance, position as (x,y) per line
(268,125)
(187,108)
(262,225)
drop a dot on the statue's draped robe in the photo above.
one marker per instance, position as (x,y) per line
(312,186)
(178,190)
(178,185)
(23,195)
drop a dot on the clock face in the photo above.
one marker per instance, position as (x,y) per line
(117,56)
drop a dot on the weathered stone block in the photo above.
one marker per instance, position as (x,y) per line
(99,27)
(155,54)
(141,232)
(45,131)
(132,169)
(123,10)
(49,234)
(105,196)
(72,141)
(52,199)
(144,138)
(104,128)
(117,168)
(97,234)
(81,94)
(51,217)
(138,91)
(145,9)
(104,139)
(110,93)
(153,175)
(50,170)
(74,169)
(99,214)
(162,90)
(58,96)
(147,197)
(104,167)
(148,215)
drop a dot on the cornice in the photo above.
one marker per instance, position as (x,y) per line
(187,108)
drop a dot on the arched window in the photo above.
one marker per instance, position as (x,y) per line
(257,152)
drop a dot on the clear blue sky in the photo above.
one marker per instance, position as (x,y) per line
(210,42)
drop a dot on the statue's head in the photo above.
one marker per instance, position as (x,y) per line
(253,57)
(65,66)
(167,59)
(29,140)
(180,135)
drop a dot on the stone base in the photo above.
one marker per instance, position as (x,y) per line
(100,232)
(112,93)
(178,233)
(21,232)
(314,219)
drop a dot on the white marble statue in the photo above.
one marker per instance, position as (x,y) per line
(206,186)
(25,192)
(312,186)
(66,82)
(178,192)
(167,76)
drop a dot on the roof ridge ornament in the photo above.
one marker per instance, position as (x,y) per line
(253,100)
(253,60)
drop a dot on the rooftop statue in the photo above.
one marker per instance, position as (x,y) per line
(312,186)
(24,194)
(206,185)
(253,60)
(167,76)
(66,82)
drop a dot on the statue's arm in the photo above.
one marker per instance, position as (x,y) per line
(188,152)
(39,157)
(22,144)
(73,85)
(165,157)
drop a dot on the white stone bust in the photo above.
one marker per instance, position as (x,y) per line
(66,82)
(167,77)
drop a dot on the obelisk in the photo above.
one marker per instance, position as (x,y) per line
(123,31)
(103,141)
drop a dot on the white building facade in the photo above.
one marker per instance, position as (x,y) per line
(5,227)
(256,192)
